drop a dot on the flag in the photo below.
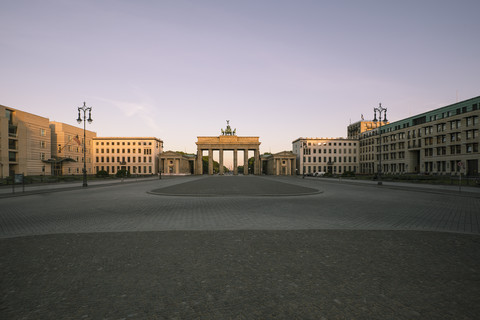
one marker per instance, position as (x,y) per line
(77,140)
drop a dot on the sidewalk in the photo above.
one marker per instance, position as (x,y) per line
(7,191)
(455,189)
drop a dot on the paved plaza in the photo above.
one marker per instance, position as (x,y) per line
(238,247)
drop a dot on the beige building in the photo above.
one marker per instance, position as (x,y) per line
(356,129)
(24,143)
(177,163)
(67,149)
(279,164)
(329,155)
(138,155)
(441,141)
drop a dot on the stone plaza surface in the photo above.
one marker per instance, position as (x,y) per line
(157,250)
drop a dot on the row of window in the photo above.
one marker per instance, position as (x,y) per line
(440,127)
(442,166)
(314,159)
(131,169)
(440,139)
(123,159)
(330,169)
(309,151)
(385,156)
(423,119)
(123,143)
(145,151)
(331,144)
(386,168)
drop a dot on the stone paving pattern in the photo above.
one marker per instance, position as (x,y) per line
(349,252)
(230,186)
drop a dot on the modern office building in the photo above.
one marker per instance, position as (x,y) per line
(138,155)
(441,141)
(67,149)
(329,155)
(24,143)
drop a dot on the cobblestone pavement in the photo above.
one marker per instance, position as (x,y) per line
(349,251)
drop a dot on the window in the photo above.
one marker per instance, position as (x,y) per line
(43,144)
(43,132)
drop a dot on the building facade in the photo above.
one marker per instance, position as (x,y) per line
(329,155)
(279,164)
(441,141)
(177,163)
(137,155)
(67,149)
(24,143)
(356,129)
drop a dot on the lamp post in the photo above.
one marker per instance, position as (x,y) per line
(79,120)
(304,152)
(380,110)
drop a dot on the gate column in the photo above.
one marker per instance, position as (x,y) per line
(257,164)
(210,161)
(245,162)
(235,161)
(199,169)
(220,160)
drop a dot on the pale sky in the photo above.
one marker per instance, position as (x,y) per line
(278,69)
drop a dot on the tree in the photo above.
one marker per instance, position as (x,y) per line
(122,173)
(216,165)
(101,174)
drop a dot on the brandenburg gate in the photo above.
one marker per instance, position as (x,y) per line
(228,141)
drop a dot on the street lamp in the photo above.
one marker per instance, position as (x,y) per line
(380,110)
(79,120)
